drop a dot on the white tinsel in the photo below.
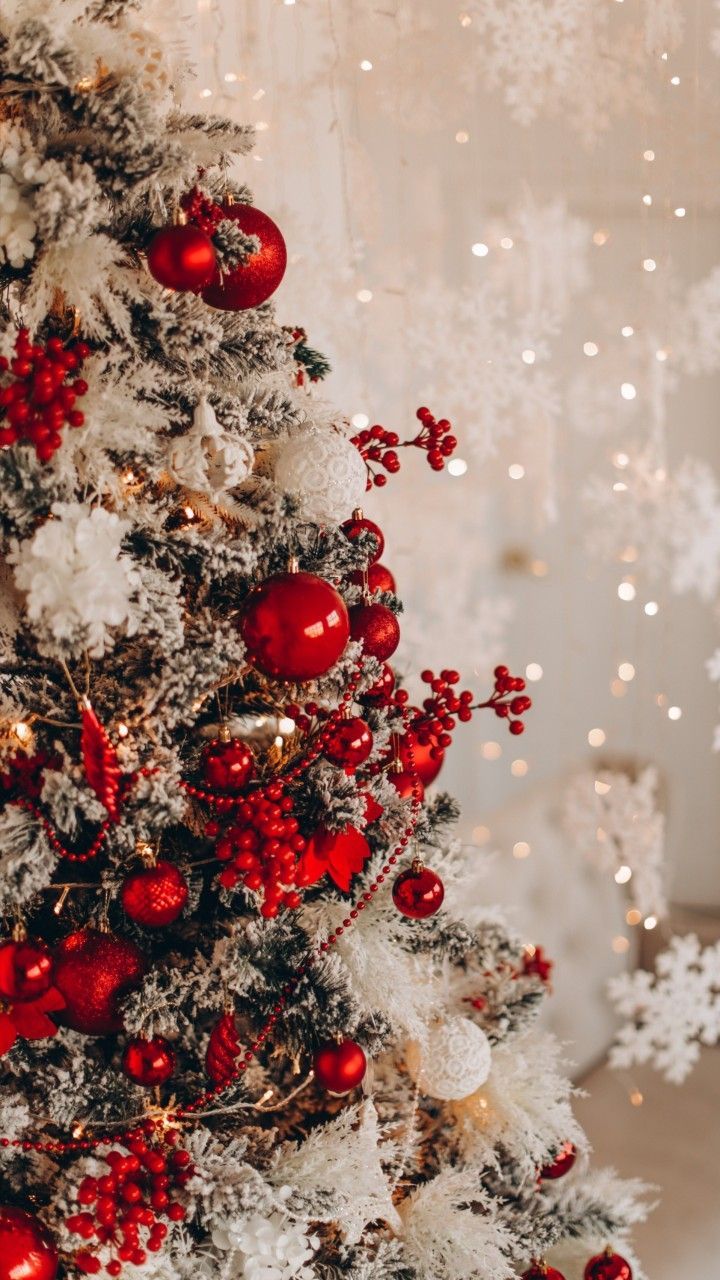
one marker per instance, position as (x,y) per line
(451,1231)
(17,227)
(325,471)
(452,1061)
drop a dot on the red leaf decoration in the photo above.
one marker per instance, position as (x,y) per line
(340,854)
(223,1048)
(100,761)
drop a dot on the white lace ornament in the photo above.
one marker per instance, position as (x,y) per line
(325,471)
(207,458)
(453,1061)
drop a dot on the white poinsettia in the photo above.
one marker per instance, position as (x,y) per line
(267,1247)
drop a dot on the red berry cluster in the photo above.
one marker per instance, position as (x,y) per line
(36,403)
(505,706)
(262,848)
(435,724)
(379,446)
(536,963)
(132,1197)
(202,211)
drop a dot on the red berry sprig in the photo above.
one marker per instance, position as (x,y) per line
(379,447)
(203,212)
(435,724)
(38,400)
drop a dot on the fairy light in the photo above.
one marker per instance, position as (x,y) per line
(650,922)
(661,699)
(628,390)
(602,788)
(279,741)
(636,1098)
(364,295)
(206,93)
(457,467)
(627,331)
(480,834)
(189,513)
(619,487)
(462,135)
(360,420)
(620,460)
(618,689)
(539,568)
(506,242)
(680,212)
(649,264)
(465,20)
(22,731)
(491,750)
(675,80)
(533,671)
(651,608)
(122,730)
(633,916)
(519,768)
(628,555)
(230,77)
(286,726)
(516,471)
(590,348)
(521,849)
(647,198)
(649,155)
(288,2)
(480,250)
(626,671)
(528,356)
(261,126)
(596,737)
(620,944)
(623,874)
(626,591)
(258,94)
(674,713)
(366,65)
(601,237)
(661,354)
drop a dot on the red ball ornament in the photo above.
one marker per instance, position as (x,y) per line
(181,257)
(360,524)
(377,627)
(295,626)
(426,758)
(608,1266)
(418,892)
(350,744)
(339,1065)
(541,1271)
(26,970)
(148,1062)
(380,693)
(227,764)
(407,785)
(377,578)
(562,1164)
(251,283)
(93,971)
(27,1250)
(154,896)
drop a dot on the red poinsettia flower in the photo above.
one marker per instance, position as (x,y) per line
(29,1019)
(536,962)
(339,854)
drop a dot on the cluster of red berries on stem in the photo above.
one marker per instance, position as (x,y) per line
(379,446)
(262,848)
(201,211)
(38,400)
(435,724)
(123,1208)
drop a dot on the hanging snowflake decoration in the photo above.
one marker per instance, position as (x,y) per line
(672,1011)
(546,264)
(712,667)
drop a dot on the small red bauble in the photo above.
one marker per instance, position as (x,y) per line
(359,524)
(427,758)
(93,971)
(26,970)
(418,892)
(407,785)
(541,1271)
(350,744)
(608,1266)
(339,1065)
(154,896)
(181,257)
(295,626)
(380,693)
(27,1250)
(251,283)
(562,1164)
(227,764)
(377,627)
(148,1062)
(377,578)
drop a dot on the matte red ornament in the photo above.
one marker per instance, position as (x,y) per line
(350,744)
(339,1065)
(26,969)
(360,524)
(426,758)
(155,896)
(93,971)
(295,626)
(562,1164)
(608,1266)
(259,276)
(148,1062)
(339,854)
(407,785)
(181,257)
(27,1250)
(223,1049)
(377,627)
(100,761)
(418,892)
(227,764)
(541,1271)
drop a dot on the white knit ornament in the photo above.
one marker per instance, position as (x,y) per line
(453,1061)
(208,458)
(325,471)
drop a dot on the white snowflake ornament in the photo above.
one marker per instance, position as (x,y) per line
(453,1061)
(17,226)
(209,459)
(325,471)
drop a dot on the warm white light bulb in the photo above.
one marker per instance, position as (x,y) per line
(366,65)
(533,671)
(590,348)
(680,212)
(457,467)
(626,671)
(628,391)
(480,250)
(596,737)
(649,264)
(626,591)
(627,331)
(360,420)
(364,295)
(651,608)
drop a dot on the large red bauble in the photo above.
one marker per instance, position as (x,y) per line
(427,758)
(227,766)
(181,257)
(259,276)
(608,1266)
(295,626)
(359,524)
(562,1164)
(418,893)
(154,896)
(27,1250)
(377,627)
(339,1065)
(542,1271)
(378,578)
(26,970)
(93,971)
(148,1062)
(350,743)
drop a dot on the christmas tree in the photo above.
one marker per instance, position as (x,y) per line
(251,1022)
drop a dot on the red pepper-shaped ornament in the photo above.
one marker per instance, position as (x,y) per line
(100,761)
(223,1049)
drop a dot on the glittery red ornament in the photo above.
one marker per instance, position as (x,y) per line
(93,971)
(181,257)
(360,524)
(377,627)
(223,1048)
(418,892)
(426,758)
(378,578)
(407,785)
(562,1164)
(350,744)
(154,896)
(339,1066)
(541,1271)
(27,1250)
(26,969)
(295,626)
(251,283)
(227,764)
(148,1062)
(608,1266)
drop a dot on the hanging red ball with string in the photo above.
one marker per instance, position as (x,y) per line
(418,892)
(227,764)
(339,1065)
(148,1062)
(181,257)
(295,626)
(608,1266)
(350,743)
(94,970)
(377,579)
(27,1249)
(377,627)
(562,1164)
(26,969)
(360,524)
(154,896)
(541,1271)
(255,279)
